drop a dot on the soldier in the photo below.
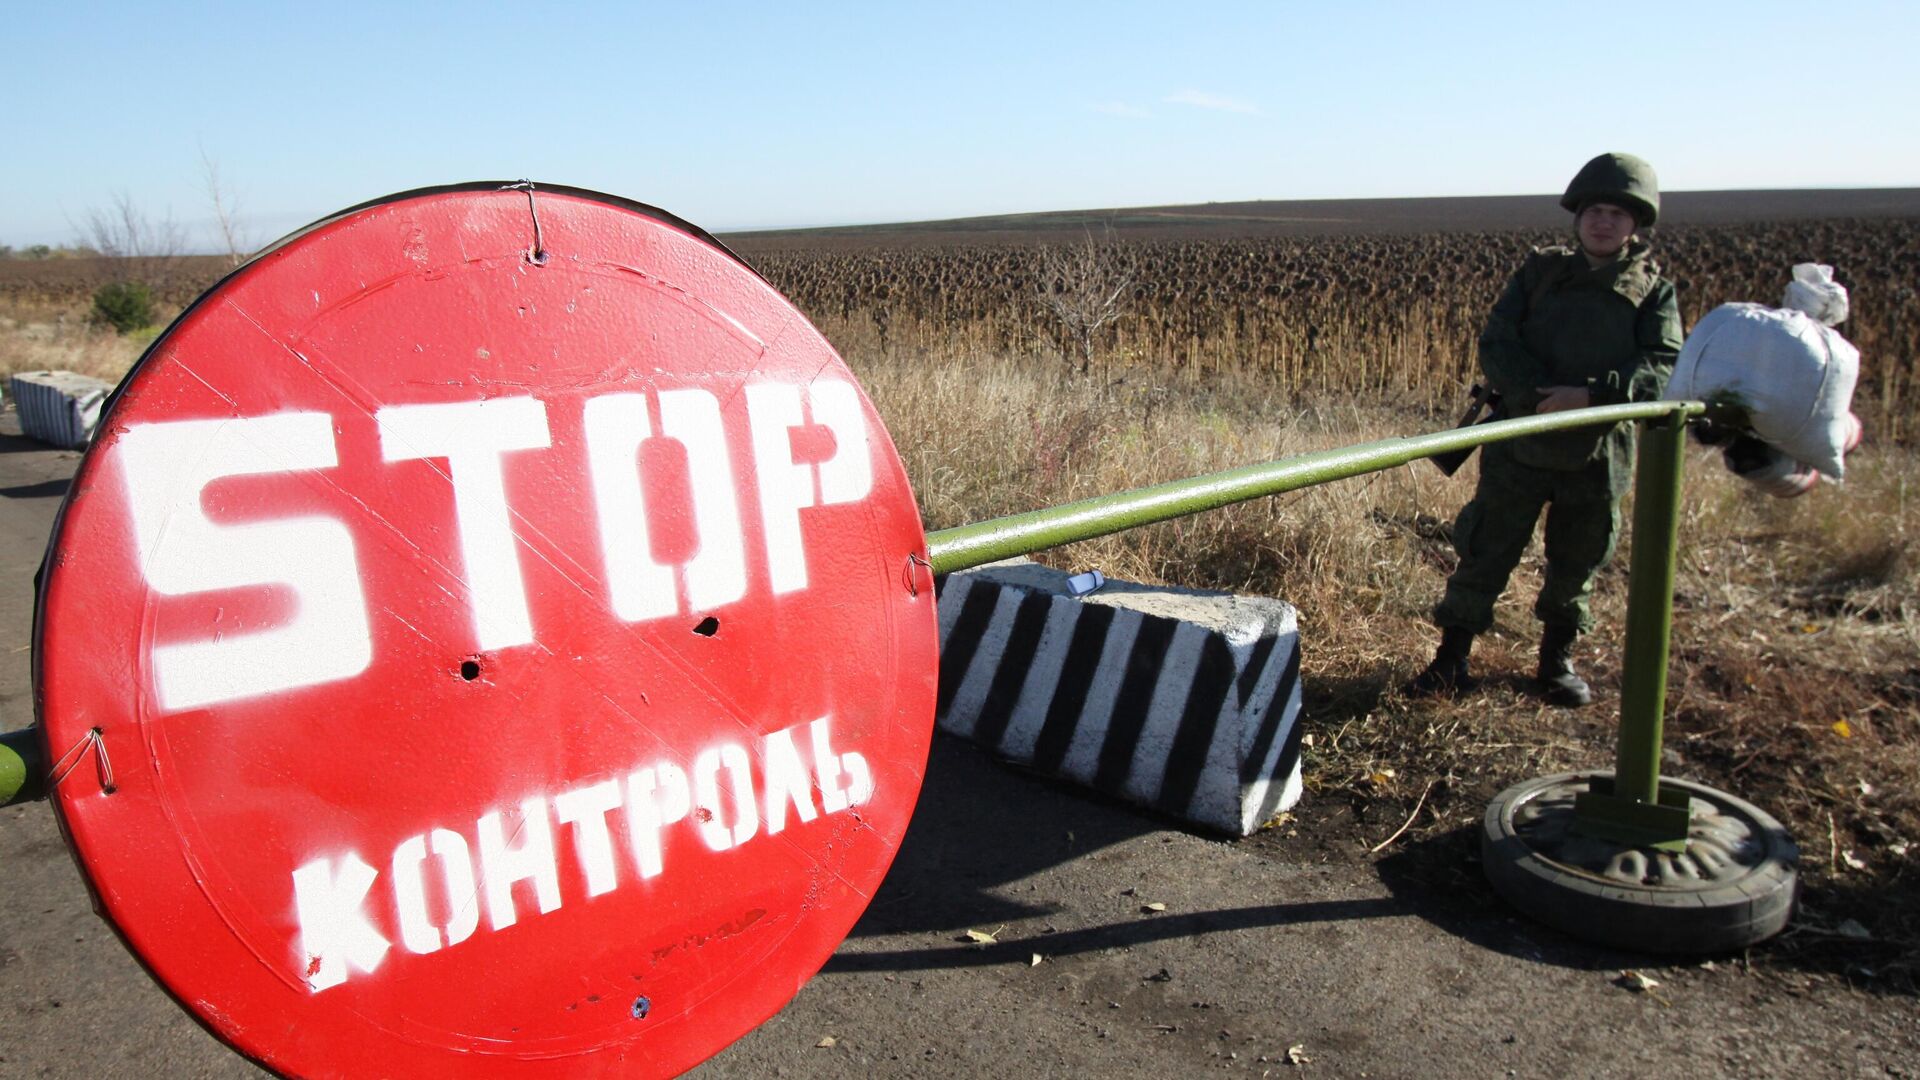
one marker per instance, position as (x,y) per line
(1592,326)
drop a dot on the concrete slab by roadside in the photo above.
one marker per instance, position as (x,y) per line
(1181,700)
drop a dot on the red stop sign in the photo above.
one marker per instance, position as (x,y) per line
(498,610)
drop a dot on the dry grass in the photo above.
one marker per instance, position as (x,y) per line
(56,335)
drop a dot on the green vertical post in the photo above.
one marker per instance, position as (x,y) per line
(1656,540)
(1635,811)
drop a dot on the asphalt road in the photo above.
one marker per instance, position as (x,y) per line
(1275,956)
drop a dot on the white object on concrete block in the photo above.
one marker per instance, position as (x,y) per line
(59,407)
(1177,699)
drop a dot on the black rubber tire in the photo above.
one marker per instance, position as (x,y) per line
(1715,917)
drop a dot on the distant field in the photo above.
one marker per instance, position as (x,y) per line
(1321,300)
(1374,299)
(1335,217)
(59,279)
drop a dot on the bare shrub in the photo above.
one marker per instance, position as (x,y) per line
(139,247)
(1084,288)
(234,238)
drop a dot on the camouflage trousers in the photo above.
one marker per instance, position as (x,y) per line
(1492,531)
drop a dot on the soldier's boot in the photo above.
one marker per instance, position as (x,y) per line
(1447,675)
(1559,683)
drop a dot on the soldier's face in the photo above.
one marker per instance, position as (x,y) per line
(1605,229)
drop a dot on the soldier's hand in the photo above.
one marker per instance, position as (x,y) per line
(1555,399)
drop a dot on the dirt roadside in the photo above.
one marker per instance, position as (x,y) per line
(1281,955)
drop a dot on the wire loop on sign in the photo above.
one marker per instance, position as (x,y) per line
(537,254)
(76,753)
(913,579)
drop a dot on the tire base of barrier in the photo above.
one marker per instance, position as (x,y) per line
(1731,886)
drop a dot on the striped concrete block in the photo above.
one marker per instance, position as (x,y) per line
(1184,701)
(59,407)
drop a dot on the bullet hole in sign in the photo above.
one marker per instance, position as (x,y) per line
(708,627)
(469,669)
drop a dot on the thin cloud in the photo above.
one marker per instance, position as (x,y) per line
(1121,108)
(1200,99)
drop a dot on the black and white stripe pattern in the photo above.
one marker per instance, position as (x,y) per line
(58,407)
(1184,701)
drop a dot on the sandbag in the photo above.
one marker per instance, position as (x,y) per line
(1814,292)
(1793,376)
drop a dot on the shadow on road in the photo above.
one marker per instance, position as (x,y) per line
(45,489)
(20,444)
(1439,879)
(1113,935)
(981,825)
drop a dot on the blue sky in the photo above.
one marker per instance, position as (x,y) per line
(740,115)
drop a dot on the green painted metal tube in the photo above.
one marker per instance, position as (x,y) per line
(1023,534)
(1643,674)
(23,766)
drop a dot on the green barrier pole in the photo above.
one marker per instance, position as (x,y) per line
(1635,811)
(1023,534)
(23,768)
(1643,683)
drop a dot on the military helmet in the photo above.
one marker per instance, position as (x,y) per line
(1621,179)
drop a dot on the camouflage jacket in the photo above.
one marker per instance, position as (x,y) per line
(1614,329)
